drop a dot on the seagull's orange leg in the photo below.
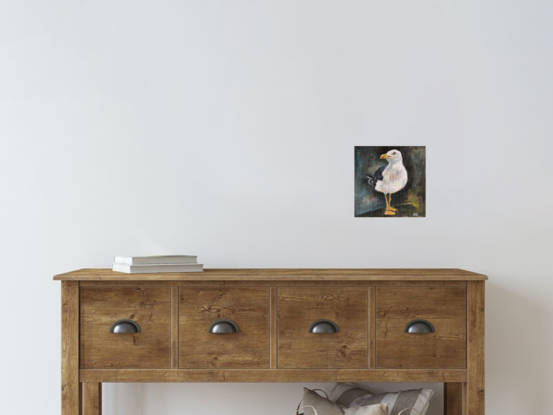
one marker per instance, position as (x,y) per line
(390,204)
(389,211)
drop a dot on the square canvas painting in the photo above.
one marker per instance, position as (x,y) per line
(390,181)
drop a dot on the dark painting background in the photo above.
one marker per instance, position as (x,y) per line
(410,201)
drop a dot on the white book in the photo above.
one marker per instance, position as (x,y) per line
(161,259)
(156,268)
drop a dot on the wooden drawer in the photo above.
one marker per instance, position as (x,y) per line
(444,307)
(248,308)
(150,308)
(298,308)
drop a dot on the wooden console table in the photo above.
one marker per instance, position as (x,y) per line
(273,325)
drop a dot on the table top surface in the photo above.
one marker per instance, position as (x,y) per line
(284,274)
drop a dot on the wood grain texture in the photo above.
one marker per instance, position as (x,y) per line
(475,388)
(175,327)
(453,398)
(272,375)
(251,282)
(279,275)
(464,393)
(372,327)
(444,307)
(247,307)
(149,307)
(274,328)
(299,307)
(92,398)
(70,386)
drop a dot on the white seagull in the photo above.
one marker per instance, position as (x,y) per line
(389,179)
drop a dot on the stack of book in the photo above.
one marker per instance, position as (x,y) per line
(154,264)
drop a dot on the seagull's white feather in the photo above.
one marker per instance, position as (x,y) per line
(394,176)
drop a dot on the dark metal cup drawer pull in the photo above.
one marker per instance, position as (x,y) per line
(323,327)
(223,327)
(124,327)
(419,327)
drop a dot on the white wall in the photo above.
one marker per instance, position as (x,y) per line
(226,129)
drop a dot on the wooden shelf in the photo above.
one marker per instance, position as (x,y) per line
(271,375)
(281,275)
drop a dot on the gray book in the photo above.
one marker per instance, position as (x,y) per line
(160,259)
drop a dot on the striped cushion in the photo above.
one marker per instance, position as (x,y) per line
(345,393)
(325,406)
(350,395)
(379,409)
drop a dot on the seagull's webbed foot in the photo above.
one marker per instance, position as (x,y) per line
(392,209)
(390,212)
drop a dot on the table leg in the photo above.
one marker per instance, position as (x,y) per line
(92,398)
(453,398)
(70,386)
(475,386)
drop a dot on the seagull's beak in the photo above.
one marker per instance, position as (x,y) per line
(384,156)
